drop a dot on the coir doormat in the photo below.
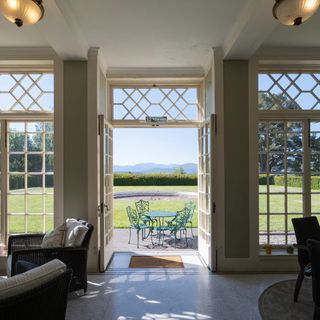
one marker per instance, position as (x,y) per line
(156,262)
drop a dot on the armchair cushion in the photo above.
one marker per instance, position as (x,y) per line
(31,279)
(75,233)
(9,265)
(55,238)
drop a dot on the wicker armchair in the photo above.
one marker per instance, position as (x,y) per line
(27,247)
(47,301)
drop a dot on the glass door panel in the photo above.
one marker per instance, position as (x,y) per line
(30,169)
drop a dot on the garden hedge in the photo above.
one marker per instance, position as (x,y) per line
(17,181)
(293,181)
(155,179)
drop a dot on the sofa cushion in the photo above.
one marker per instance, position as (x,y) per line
(31,279)
(75,233)
(55,237)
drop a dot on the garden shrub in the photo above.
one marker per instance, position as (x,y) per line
(296,181)
(155,179)
(17,181)
(263,179)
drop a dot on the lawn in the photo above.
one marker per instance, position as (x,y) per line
(120,205)
(33,203)
(277,207)
(36,204)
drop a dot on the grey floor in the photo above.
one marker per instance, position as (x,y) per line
(158,294)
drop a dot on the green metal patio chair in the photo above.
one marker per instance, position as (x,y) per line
(136,223)
(179,223)
(192,207)
(143,207)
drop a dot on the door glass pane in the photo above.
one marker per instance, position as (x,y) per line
(30,163)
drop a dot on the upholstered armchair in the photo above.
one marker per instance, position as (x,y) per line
(37,294)
(28,247)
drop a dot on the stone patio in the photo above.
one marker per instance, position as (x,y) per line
(121,237)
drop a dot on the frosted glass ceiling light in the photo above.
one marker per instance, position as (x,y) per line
(294,12)
(22,12)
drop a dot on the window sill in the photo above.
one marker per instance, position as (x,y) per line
(277,253)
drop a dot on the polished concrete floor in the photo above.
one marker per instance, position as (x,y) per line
(192,293)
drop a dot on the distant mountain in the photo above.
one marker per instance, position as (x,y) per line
(190,168)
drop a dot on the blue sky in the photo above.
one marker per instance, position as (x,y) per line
(158,145)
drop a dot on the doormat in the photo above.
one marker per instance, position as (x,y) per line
(156,262)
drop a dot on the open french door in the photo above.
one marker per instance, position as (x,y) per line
(106,192)
(206,195)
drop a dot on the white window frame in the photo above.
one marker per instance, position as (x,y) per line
(154,82)
(281,115)
(46,66)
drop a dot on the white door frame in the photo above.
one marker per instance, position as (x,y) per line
(106,192)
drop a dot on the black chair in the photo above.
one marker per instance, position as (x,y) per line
(46,301)
(314,255)
(304,228)
(27,247)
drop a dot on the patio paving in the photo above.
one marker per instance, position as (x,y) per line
(121,237)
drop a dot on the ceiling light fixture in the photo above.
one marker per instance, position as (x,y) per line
(294,12)
(22,12)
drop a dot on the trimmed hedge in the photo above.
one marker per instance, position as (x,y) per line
(292,181)
(263,180)
(155,179)
(17,181)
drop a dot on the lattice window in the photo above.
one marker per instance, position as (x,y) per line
(26,92)
(289,91)
(137,103)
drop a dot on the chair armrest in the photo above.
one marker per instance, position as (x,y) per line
(24,241)
(46,301)
(300,246)
(70,256)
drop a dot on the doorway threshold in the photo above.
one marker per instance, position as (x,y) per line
(192,263)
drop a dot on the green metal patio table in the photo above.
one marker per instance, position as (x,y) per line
(160,216)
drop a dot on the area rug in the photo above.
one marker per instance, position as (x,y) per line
(276,302)
(156,262)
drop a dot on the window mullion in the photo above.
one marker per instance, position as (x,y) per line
(306,169)
(3,166)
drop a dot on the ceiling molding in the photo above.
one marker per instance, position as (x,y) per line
(62,32)
(252,26)
(27,53)
(288,53)
(155,73)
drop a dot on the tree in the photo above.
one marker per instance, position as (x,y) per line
(179,171)
(277,138)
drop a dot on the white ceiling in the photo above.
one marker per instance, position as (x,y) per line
(11,36)
(155,33)
(158,33)
(305,35)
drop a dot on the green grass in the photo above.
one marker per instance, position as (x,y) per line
(277,208)
(33,203)
(121,218)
